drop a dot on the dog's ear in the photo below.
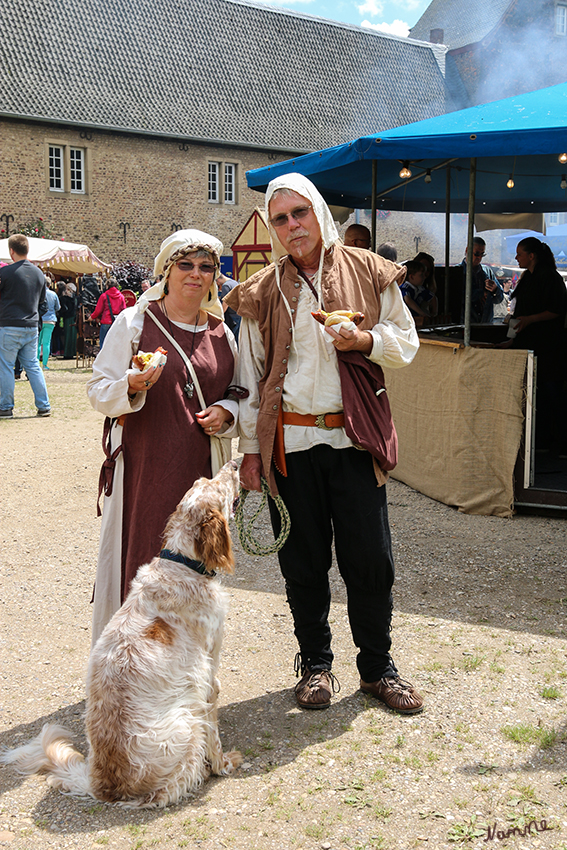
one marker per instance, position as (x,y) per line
(213,544)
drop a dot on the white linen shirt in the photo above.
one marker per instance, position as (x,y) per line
(312,384)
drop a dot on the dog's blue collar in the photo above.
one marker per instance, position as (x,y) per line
(198,566)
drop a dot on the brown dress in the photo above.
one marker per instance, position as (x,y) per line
(165,449)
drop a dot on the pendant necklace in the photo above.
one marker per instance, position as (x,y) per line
(189,387)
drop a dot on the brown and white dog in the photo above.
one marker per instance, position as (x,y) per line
(152,690)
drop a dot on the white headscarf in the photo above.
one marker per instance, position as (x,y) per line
(187,241)
(329,234)
(304,187)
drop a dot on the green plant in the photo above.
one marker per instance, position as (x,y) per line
(37,228)
(551,692)
(525,733)
(467,831)
(472,662)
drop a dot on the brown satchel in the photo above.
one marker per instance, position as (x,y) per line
(368,418)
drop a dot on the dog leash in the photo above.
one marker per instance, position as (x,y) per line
(245,529)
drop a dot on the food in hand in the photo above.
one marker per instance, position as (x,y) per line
(144,360)
(337,317)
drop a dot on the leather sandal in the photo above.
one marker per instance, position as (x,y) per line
(399,695)
(314,690)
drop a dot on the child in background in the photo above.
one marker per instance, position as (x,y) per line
(415,293)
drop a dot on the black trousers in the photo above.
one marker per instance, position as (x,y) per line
(334,492)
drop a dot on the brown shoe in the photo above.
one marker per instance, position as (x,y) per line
(314,690)
(398,695)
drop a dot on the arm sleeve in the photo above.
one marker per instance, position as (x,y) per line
(250,371)
(98,309)
(107,389)
(42,307)
(395,337)
(228,403)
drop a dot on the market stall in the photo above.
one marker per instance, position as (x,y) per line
(62,259)
(505,157)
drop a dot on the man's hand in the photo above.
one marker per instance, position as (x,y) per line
(355,340)
(490,285)
(250,472)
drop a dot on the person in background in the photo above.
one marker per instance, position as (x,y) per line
(49,320)
(108,306)
(389,251)
(226,285)
(289,363)
(145,285)
(357,236)
(415,295)
(69,314)
(486,291)
(430,284)
(540,306)
(22,303)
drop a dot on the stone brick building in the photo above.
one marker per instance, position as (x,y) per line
(119,124)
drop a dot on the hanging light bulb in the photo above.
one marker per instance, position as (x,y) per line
(562,157)
(427,178)
(563,183)
(510,183)
(405,172)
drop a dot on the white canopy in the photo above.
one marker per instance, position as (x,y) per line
(59,257)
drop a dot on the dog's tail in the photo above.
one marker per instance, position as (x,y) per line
(52,753)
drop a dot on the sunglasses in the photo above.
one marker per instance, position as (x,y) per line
(479,253)
(297,214)
(202,268)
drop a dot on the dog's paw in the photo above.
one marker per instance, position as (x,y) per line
(231,761)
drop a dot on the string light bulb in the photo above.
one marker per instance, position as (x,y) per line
(563,183)
(427,178)
(405,172)
(562,157)
(510,183)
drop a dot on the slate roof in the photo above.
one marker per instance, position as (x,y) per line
(462,22)
(216,70)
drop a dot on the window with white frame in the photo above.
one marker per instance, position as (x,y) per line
(77,169)
(56,178)
(229,183)
(561,19)
(67,172)
(214,195)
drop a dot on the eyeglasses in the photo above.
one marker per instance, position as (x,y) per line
(479,253)
(202,268)
(298,214)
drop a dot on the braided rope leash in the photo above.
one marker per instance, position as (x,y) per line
(246,529)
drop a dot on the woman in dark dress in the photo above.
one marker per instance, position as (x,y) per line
(158,433)
(540,305)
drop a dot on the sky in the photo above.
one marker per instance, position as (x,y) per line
(392,16)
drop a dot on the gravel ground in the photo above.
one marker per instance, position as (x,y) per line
(480,627)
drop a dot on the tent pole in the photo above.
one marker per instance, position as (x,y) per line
(374,178)
(468,283)
(447,238)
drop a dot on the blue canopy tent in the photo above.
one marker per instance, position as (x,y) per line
(520,136)
(521,143)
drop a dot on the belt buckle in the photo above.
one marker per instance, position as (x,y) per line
(320,422)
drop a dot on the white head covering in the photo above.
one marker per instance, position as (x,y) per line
(329,234)
(304,187)
(186,241)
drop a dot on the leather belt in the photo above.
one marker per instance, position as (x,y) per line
(326,421)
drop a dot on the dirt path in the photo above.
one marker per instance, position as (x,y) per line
(480,626)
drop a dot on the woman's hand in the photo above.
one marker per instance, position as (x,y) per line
(143,381)
(212,419)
